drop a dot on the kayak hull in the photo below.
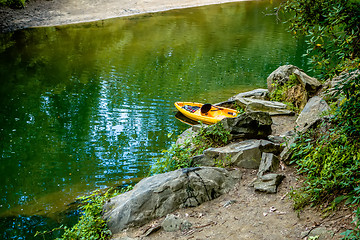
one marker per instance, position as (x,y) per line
(192,110)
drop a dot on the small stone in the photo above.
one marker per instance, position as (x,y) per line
(172,224)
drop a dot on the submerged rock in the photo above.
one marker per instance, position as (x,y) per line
(161,194)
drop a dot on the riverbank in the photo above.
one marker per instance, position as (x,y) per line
(41,13)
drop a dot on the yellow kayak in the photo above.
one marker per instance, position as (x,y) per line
(206,113)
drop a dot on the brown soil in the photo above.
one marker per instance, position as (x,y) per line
(59,12)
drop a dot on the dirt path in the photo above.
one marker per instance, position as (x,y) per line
(59,12)
(246,214)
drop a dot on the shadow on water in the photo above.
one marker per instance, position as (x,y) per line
(89,106)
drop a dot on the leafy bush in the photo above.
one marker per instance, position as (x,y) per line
(91,225)
(13,3)
(330,164)
(212,136)
(180,156)
(348,113)
(331,28)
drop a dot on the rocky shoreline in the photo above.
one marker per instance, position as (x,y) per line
(247,199)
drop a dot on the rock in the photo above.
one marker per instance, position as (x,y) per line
(262,94)
(172,224)
(320,232)
(188,134)
(201,160)
(329,91)
(246,154)
(256,105)
(312,112)
(269,163)
(268,183)
(282,73)
(311,115)
(125,238)
(248,125)
(276,139)
(287,152)
(161,194)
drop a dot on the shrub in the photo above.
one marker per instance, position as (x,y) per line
(331,28)
(13,3)
(180,156)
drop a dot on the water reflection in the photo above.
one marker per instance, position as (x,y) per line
(89,106)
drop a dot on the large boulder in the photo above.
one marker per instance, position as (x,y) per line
(248,125)
(246,154)
(281,76)
(256,105)
(262,94)
(161,194)
(312,114)
(315,108)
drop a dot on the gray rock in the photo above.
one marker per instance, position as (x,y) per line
(246,154)
(282,73)
(172,224)
(256,105)
(248,125)
(269,163)
(268,183)
(321,233)
(201,160)
(287,152)
(276,139)
(329,91)
(161,194)
(262,94)
(312,112)
(125,238)
(188,135)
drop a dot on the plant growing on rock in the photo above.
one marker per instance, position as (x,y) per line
(211,136)
(180,156)
(289,92)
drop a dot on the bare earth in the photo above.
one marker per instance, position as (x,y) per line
(246,214)
(58,12)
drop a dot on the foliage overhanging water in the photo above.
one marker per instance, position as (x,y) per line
(89,106)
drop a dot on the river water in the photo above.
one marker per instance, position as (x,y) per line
(90,106)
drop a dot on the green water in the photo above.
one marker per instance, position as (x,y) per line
(90,106)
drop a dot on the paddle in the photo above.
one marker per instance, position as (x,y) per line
(205,108)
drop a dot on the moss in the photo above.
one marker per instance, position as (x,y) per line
(291,93)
